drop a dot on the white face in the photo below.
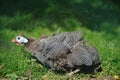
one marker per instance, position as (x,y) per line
(21,40)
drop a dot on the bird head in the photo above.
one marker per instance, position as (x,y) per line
(20,39)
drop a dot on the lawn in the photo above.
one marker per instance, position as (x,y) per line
(100,26)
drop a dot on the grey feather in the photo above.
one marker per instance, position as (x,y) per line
(65,51)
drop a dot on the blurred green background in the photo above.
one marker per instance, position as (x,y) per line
(99,20)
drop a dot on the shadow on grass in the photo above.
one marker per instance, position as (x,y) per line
(98,15)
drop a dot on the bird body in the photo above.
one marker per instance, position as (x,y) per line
(63,52)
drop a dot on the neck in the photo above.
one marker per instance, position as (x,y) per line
(31,46)
(30,41)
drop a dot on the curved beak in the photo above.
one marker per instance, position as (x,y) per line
(15,41)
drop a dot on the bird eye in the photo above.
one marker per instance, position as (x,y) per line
(18,38)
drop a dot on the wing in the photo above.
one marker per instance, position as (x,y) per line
(80,57)
(55,51)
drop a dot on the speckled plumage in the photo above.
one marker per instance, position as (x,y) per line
(64,51)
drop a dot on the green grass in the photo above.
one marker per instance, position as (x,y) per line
(18,63)
(100,29)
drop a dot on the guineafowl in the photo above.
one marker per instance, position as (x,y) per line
(62,52)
